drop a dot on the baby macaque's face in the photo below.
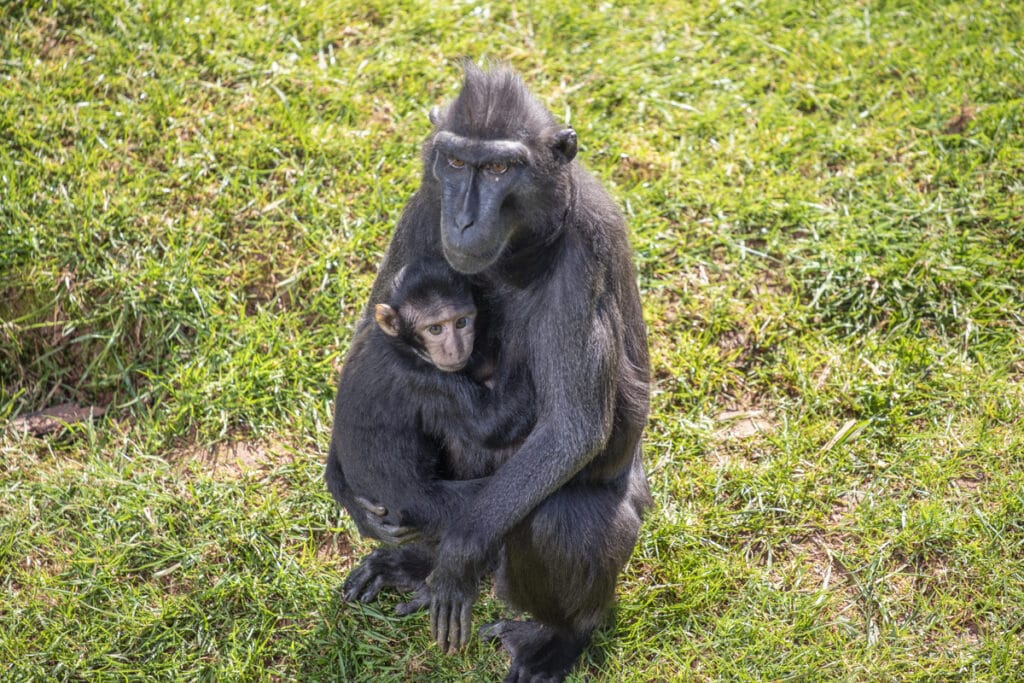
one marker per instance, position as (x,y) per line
(441,333)
(446,334)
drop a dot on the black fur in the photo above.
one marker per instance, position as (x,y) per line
(548,252)
(396,414)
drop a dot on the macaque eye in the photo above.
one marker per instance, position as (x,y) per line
(461,322)
(456,163)
(435,330)
(497,167)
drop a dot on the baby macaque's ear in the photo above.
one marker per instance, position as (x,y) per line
(387,319)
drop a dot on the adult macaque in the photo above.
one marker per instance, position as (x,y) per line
(502,199)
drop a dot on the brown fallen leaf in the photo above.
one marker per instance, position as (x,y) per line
(54,418)
(958,123)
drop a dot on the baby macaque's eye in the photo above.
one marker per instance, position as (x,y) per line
(435,330)
(456,163)
(461,322)
(497,167)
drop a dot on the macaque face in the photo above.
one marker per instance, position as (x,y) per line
(447,335)
(441,333)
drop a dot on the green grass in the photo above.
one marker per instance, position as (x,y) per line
(826,204)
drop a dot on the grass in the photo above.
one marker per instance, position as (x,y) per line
(826,204)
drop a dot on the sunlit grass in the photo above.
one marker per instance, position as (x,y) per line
(826,207)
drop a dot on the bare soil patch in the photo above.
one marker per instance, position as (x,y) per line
(234,459)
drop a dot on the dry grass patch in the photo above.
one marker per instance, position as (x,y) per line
(236,459)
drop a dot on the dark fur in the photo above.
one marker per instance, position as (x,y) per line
(551,258)
(396,414)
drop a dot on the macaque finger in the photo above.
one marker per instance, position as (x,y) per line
(371,507)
